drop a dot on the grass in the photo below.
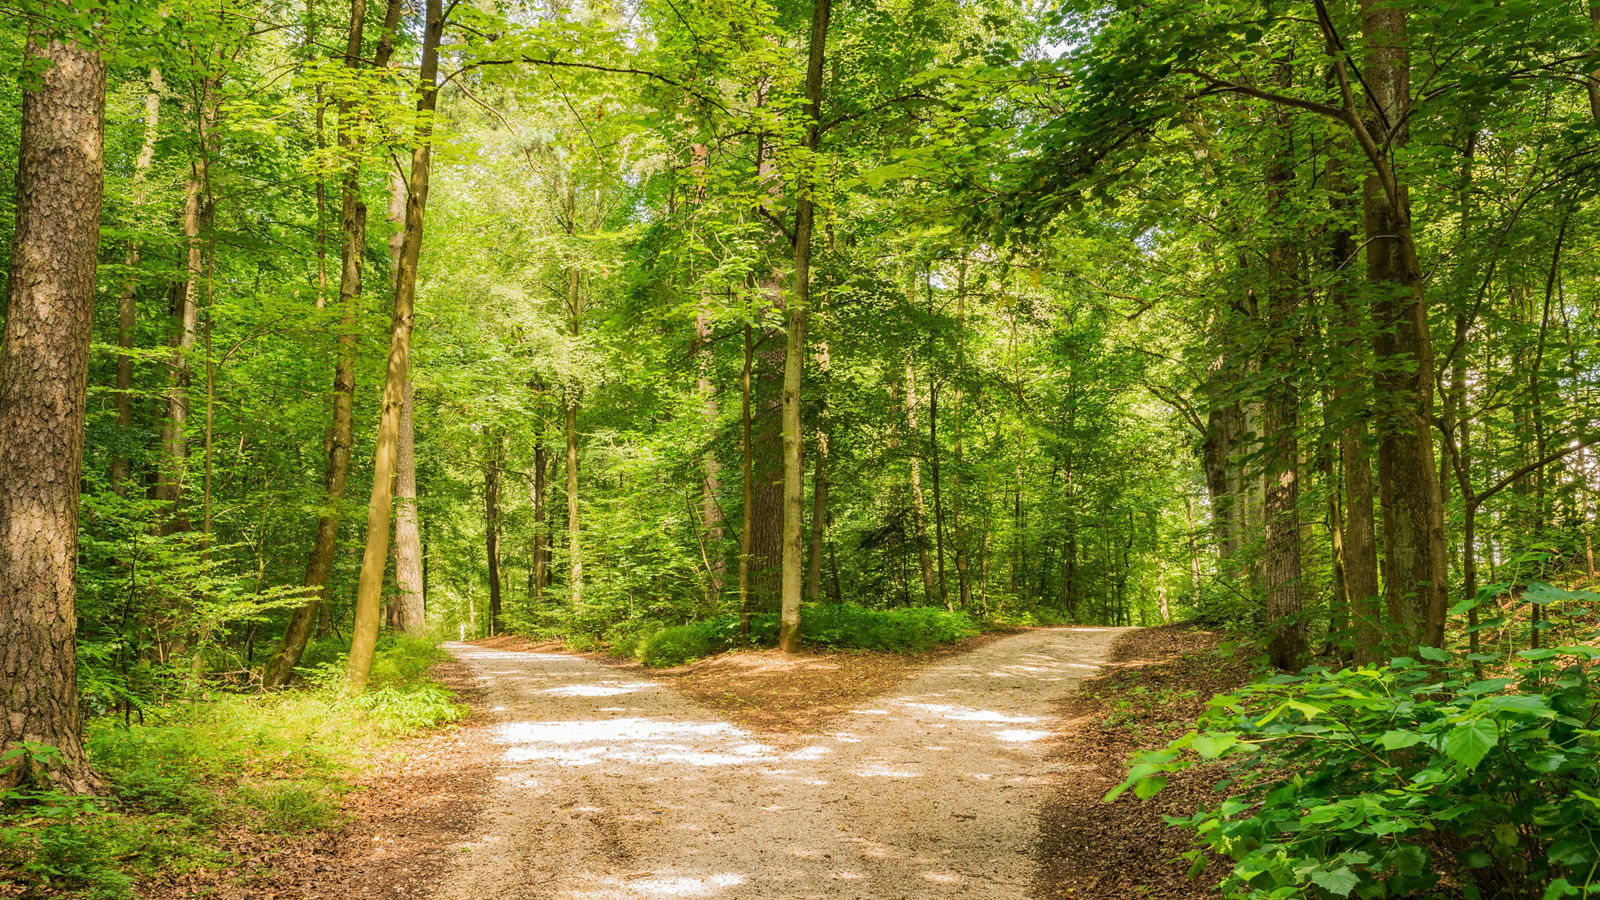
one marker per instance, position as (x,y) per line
(278,764)
(843,626)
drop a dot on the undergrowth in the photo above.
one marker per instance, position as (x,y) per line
(842,626)
(275,764)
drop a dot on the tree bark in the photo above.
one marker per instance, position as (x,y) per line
(570,396)
(748,504)
(711,480)
(411,601)
(1413,516)
(539,570)
(364,632)
(44,365)
(1280,417)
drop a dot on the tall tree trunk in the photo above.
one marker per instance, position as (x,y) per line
(539,571)
(711,480)
(186,322)
(930,585)
(1280,418)
(341,433)
(748,504)
(1359,538)
(364,632)
(938,491)
(963,583)
(570,398)
(1413,515)
(44,366)
(794,357)
(493,462)
(127,301)
(410,605)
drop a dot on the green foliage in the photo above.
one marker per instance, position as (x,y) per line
(1394,781)
(834,626)
(276,762)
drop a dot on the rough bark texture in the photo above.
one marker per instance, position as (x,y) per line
(364,632)
(1413,517)
(44,364)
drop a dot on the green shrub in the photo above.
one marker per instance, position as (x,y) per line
(1396,781)
(678,645)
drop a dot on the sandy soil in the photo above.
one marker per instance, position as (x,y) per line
(613,786)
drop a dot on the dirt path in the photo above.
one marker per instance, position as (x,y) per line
(620,788)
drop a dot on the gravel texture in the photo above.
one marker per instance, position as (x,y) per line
(613,786)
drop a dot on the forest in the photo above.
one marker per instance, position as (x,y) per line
(338,329)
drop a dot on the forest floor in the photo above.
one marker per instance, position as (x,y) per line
(613,785)
(1156,683)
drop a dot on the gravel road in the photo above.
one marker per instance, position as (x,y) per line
(613,787)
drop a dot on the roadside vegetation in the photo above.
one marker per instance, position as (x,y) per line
(185,776)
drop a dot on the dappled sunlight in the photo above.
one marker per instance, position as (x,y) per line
(610,689)
(651,885)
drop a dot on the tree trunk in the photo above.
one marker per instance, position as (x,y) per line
(930,585)
(570,396)
(1413,516)
(493,461)
(44,365)
(711,481)
(1280,418)
(364,633)
(341,434)
(186,321)
(127,301)
(963,584)
(794,357)
(411,608)
(539,570)
(748,504)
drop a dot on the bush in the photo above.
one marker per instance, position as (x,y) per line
(1400,780)
(679,644)
(839,626)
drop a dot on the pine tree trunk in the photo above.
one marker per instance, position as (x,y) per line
(44,364)
(364,632)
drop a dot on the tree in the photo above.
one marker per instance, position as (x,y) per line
(44,361)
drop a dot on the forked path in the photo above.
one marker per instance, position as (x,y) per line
(613,787)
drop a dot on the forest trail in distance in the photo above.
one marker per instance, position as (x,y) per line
(616,787)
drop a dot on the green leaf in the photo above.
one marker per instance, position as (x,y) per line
(1394,740)
(1469,742)
(1213,744)
(1433,654)
(1340,881)
(1149,787)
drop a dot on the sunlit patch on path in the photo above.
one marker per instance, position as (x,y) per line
(616,788)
